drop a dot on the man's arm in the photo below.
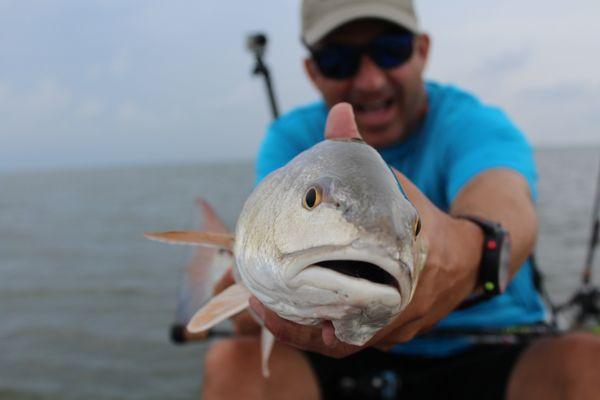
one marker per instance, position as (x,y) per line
(503,196)
(455,246)
(499,195)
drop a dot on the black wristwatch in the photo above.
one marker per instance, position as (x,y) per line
(495,257)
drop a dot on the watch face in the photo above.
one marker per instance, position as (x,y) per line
(503,263)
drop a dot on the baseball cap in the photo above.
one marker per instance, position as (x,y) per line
(320,17)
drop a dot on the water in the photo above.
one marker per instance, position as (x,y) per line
(86,301)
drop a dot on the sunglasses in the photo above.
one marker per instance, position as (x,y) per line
(341,61)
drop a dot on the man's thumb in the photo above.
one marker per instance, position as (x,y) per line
(341,123)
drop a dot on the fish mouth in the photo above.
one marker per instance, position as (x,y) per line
(361,270)
(355,265)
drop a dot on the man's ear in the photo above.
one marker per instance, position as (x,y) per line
(311,70)
(423,45)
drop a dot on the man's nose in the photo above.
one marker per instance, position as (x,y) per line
(369,76)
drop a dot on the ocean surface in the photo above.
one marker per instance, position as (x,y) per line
(86,301)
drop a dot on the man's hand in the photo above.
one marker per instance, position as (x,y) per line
(318,339)
(450,272)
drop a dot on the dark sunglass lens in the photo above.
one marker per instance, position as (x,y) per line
(337,62)
(391,51)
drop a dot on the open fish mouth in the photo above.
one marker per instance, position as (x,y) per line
(361,270)
(334,284)
(359,274)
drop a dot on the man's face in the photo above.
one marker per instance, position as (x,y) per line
(388,103)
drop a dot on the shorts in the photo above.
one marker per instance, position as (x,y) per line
(480,373)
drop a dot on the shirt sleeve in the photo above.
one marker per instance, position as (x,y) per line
(488,141)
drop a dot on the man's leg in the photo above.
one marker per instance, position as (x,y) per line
(566,367)
(232,371)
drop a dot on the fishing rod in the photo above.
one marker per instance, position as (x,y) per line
(586,300)
(495,336)
(587,271)
(257,44)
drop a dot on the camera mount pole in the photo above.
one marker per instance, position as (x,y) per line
(257,44)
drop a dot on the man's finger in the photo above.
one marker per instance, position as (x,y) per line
(286,331)
(341,123)
(258,308)
(328,334)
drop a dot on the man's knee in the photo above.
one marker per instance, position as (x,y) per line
(562,367)
(579,357)
(232,359)
(238,361)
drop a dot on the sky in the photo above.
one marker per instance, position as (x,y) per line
(103,82)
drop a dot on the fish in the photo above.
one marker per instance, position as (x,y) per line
(330,236)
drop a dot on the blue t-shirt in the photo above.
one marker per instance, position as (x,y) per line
(459,138)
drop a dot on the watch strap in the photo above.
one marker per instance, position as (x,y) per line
(490,257)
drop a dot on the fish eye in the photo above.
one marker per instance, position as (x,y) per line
(417,226)
(312,198)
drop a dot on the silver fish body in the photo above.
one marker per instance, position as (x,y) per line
(352,259)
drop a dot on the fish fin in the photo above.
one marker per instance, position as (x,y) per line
(210,220)
(267,340)
(221,240)
(226,304)
(204,269)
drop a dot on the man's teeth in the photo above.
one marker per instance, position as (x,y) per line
(374,105)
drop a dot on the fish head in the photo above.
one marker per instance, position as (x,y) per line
(330,236)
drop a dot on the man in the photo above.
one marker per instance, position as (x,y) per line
(468,170)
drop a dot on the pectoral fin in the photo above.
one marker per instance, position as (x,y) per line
(226,304)
(267,340)
(221,240)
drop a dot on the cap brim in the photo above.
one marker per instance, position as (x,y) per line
(381,11)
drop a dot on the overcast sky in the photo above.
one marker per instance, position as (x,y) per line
(85,83)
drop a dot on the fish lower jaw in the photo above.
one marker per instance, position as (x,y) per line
(324,286)
(319,294)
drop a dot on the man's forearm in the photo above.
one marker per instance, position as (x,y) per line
(455,247)
(502,196)
(499,195)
